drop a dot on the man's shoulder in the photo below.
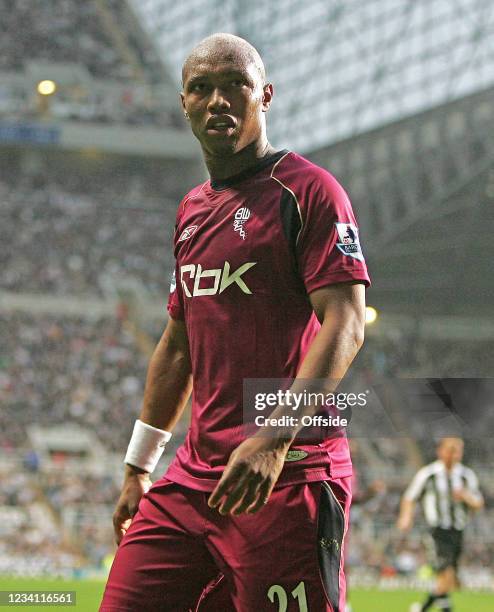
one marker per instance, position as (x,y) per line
(190,195)
(430,468)
(465,470)
(300,175)
(195,191)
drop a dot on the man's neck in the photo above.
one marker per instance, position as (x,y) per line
(223,167)
(448,467)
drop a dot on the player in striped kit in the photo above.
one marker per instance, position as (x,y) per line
(449,491)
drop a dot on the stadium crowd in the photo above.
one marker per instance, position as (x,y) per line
(84,504)
(31,539)
(63,370)
(58,30)
(62,235)
(68,370)
(76,34)
(63,241)
(60,369)
(56,522)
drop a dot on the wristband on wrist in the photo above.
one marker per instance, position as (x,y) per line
(146,446)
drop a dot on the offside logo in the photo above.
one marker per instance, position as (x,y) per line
(222,278)
(241,217)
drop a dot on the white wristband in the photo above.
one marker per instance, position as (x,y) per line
(146,446)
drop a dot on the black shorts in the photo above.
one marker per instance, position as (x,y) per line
(447,547)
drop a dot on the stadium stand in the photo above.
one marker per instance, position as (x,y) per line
(32,541)
(63,236)
(56,29)
(106,70)
(58,369)
(62,369)
(71,241)
(86,229)
(94,34)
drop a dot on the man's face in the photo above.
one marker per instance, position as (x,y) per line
(225,101)
(450,451)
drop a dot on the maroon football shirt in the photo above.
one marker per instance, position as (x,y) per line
(248,252)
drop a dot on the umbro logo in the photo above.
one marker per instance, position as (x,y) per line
(187,233)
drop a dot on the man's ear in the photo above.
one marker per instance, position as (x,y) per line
(182,100)
(267,96)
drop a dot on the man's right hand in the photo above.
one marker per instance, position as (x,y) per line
(136,483)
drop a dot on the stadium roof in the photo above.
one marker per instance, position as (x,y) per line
(423,191)
(342,67)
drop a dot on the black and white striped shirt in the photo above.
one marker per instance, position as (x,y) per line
(433,485)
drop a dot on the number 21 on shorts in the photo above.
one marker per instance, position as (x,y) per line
(277,594)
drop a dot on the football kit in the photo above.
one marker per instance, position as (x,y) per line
(433,485)
(249,250)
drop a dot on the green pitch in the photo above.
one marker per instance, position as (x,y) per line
(89,593)
(364,600)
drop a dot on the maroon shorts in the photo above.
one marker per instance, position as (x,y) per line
(179,555)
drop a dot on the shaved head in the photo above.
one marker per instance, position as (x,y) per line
(221,47)
(225,99)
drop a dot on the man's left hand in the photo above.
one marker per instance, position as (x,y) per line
(249,477)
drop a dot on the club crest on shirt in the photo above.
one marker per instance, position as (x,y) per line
(241,217)
(348,242)
(187,233)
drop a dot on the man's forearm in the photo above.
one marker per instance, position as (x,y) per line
(168,386)
(407,512)
(168,382)
(328,358)
(332,351)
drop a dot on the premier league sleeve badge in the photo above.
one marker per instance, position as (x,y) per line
(348,240)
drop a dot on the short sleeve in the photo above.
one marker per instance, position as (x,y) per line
(175,304)
(473,484)
(417,486)
(175,299)
(329,249)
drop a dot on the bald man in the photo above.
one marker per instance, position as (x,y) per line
(448,491)
(269,282)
